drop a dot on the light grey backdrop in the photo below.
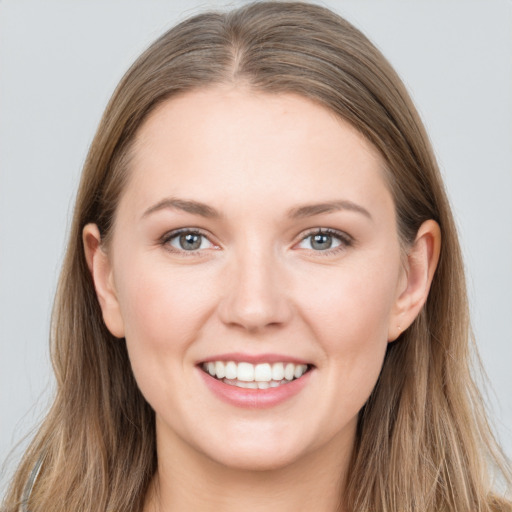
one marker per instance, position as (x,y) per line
(59,62)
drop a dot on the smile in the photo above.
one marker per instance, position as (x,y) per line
(255,376)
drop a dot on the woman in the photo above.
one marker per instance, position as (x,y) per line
(263,301)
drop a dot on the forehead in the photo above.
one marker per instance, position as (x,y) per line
(224,143)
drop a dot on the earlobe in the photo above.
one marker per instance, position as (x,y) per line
(101,271)
(422,260)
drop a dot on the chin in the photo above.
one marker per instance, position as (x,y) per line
(264,450)
(256,459)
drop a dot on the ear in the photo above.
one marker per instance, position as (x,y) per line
(422,259)
(102,276)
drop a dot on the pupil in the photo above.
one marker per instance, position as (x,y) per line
(321,242)
(190,241)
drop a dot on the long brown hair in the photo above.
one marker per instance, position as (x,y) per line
(423,442)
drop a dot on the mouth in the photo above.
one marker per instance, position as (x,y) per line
(246,375)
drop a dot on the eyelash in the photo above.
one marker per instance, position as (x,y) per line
(168,237)
(344,239)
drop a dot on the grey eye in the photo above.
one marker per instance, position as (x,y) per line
(190,241)
(320,242)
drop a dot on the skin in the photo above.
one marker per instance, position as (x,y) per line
(256,286)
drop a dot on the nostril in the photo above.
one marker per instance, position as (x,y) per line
(255,296)
(256,314)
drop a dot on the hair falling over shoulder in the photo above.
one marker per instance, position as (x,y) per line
(423,442)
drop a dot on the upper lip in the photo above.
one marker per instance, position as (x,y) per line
(239,357)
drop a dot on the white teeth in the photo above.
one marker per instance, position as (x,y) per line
(267,374)
(254,384)
(278,371)
(220,370)
(263,372)
(231,370)
(289,370)
(245,385)
(245,372)
(299,370)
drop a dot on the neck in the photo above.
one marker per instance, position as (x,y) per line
(187,481)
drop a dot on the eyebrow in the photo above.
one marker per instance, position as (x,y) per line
(299,212)
(194,207)
(310,210)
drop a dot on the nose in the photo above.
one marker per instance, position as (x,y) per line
(255,293)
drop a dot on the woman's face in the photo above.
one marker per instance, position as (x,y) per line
(256,240)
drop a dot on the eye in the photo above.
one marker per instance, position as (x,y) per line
(187,240)
(325,240)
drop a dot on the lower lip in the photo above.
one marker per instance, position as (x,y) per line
(254,398)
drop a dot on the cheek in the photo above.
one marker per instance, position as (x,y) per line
(350,313)
(160,305)
(163,311)
(351,300)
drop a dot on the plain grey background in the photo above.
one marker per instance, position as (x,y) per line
(59,63)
